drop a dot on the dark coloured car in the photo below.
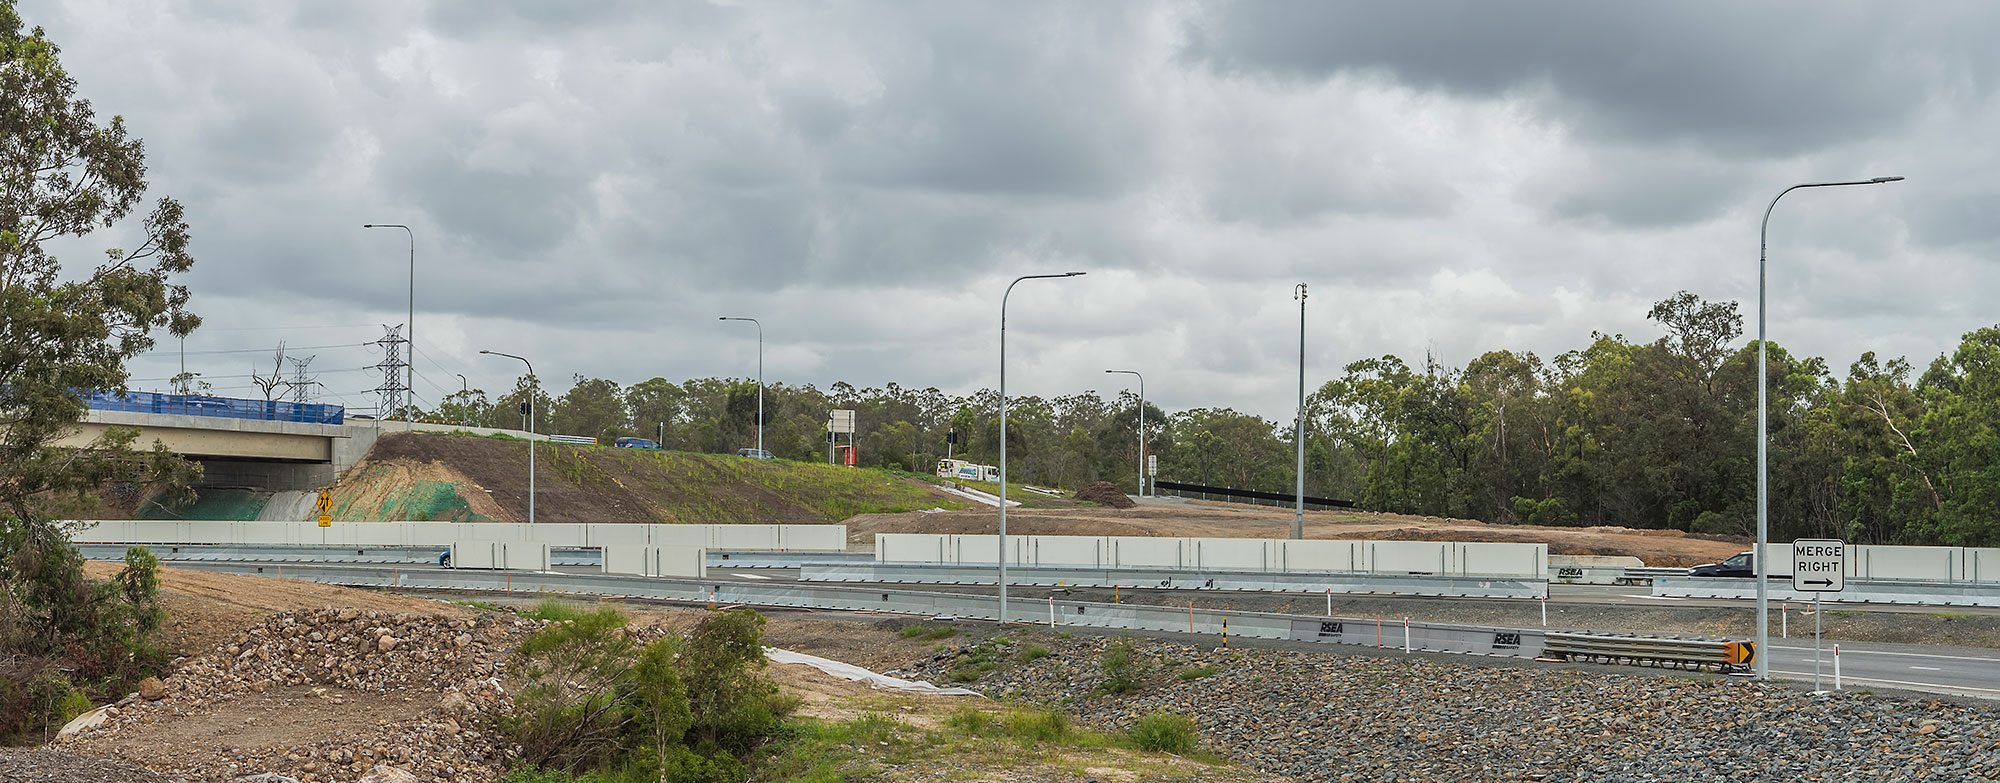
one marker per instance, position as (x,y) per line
(1742,566)
(755,454)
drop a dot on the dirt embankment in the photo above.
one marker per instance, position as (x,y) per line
(437,476)
(1667,548)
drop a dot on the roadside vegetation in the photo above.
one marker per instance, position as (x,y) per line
(600,705)
(67,640)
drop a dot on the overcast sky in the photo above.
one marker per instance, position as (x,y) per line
(592,184)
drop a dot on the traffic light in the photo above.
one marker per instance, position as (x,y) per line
(524,407)
(951,437)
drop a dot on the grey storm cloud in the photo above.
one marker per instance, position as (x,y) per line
(593,183)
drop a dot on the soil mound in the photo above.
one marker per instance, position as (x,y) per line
(1104,493)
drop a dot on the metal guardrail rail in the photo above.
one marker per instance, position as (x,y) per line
(1375,632)
(1858,591)
(1649,651)
(1177,579)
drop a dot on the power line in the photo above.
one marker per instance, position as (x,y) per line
(258,350)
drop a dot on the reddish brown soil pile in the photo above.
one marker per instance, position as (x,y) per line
(1104,493)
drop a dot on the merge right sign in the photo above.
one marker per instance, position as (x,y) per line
(1819,565)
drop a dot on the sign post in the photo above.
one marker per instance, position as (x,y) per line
(1819,565)
(1152,471)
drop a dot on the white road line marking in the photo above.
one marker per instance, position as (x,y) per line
(1851,651)
(750,576)
(1940,686)
(1927,668)
(1658,597)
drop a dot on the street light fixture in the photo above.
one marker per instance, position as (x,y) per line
(1142,426)
(533,384)
(760,375)
(1299,426)
(410,377)
(1763,437)
(1002,617)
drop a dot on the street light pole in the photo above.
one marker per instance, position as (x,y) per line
(410,376)
(1299,426)
(533,384)
(760,375)
(1142,427)
(1763,563)
(1002,618)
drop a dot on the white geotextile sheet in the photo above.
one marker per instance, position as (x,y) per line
(848,671)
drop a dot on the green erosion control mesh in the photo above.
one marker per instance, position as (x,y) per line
(384,496)
(229,505)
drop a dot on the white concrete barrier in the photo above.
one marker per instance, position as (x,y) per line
(670,561)
(809,538)
(1440,558)
(508,555)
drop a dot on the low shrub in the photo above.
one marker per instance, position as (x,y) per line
(1033,652)
(1164,732)
(1197,672)
(1123,672)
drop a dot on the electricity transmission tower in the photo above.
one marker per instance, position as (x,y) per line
(393,388)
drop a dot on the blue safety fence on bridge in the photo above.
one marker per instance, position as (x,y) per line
(221,407)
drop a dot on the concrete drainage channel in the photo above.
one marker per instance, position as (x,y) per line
(1368,632)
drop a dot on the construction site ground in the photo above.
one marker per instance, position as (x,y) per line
(208,609)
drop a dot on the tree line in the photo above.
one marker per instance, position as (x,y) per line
(1658,434)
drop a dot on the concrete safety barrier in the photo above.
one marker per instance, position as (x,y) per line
(1421,558)
(1856,592)
(1179,579)
(502,555)
(817,538)
(684,561)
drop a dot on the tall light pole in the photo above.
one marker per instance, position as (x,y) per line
(1142,427)
(410,376)
(533,384)
(760,375)
(1763,437)
(1002,618)
(1299,426)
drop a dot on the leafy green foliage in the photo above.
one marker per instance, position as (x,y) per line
(1124,672)
(598,706)
(1164,732)
(67,175)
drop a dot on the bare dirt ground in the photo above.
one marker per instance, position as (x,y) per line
(1195,518)
(378,481)
(204,609)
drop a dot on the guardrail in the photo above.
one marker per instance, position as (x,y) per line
(1649,650)
(1857,592)
(1610,575)
(1411,636)
(1178,579)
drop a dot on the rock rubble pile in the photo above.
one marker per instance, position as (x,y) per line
(1325,717)
(433,675)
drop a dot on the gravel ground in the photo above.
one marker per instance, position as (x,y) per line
(1324,717)
(26,765)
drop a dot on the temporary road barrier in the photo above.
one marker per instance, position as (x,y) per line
(1176,579)
(1650,651)
(1858,591)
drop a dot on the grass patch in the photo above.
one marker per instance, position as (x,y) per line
(1162,732)
(1198,672)
(554,610)
(1033,652)
(486,605)
(929,632)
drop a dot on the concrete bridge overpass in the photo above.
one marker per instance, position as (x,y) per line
(235,452)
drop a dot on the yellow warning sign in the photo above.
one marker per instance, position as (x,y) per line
(324,508)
